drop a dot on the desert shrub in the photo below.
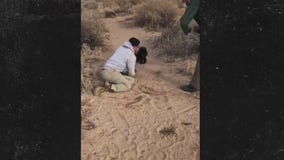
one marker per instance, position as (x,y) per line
(93,35)
(92,29)
(89,4)
(173,44)
(121,6)
(109,12)
(155,14)
(91,63)
(126,5)
(86,85)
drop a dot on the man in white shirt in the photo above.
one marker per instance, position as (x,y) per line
(119,70)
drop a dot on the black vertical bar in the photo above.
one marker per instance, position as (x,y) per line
(242,61)
(40,80)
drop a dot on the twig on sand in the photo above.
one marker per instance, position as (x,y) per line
(187,109)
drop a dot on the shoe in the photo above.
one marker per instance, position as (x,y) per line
(107,84)
(135,82)
(188,88)
(100,90)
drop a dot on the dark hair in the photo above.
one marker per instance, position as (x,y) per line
(141,55)
(134,41)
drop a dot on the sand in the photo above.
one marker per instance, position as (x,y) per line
(154,121)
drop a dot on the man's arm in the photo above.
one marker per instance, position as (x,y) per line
(131,65)
(190,12)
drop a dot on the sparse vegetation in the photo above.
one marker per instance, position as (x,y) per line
(156,14)
(126,5)
(109,13)
(174,44)
(92,29)
(93,32)
(120,6)
(89,4)
(90,64)
(86,85)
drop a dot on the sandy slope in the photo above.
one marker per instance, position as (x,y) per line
(154,121)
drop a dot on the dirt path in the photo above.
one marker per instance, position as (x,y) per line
(154,121)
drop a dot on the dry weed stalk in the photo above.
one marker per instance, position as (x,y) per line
(156,18)
(168,131)
(90,65)
(174,45)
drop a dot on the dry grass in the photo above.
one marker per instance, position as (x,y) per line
(92,28)
(156,14)
(93,39)
(91,63)
(89,4)
(174,45)
(125,6)
(86,85)
(120,7)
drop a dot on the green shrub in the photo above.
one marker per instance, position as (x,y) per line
(155,14)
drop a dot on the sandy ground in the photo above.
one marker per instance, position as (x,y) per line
(154,121)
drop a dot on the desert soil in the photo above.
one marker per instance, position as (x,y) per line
(154,121)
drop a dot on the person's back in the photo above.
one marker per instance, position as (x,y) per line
(123,60)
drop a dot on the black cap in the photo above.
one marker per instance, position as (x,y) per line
(134,41)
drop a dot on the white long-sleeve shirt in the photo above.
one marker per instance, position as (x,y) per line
(123,60)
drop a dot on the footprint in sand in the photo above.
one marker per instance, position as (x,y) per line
(88,125)
(137,100)
(150,91)
(143,103)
